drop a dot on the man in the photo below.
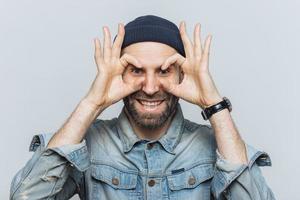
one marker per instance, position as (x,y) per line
(149,151)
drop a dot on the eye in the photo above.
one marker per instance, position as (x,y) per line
(164,72)
(136,70)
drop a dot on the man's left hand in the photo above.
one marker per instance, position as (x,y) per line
(197,86)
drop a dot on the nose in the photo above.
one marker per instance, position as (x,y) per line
(151,85)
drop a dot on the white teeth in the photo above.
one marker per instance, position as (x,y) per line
(150,103)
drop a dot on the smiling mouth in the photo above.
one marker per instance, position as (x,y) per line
(150,104)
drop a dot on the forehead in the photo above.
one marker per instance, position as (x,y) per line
(150,54)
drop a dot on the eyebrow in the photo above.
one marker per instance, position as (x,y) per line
(157,68)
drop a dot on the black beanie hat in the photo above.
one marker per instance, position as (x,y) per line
(155,29)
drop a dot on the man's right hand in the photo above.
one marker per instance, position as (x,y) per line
(108,86)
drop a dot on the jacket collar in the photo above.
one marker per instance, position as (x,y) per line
(169,140)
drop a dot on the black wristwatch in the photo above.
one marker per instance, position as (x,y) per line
(208,112)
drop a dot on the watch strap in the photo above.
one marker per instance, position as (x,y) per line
(209,111)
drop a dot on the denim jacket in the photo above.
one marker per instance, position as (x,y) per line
(112,163)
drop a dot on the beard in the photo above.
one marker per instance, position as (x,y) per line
(148,120)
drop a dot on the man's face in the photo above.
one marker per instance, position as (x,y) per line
(151,106)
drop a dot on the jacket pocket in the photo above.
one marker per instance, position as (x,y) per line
(190,178)
(114,183)
(114,177)
(193,182)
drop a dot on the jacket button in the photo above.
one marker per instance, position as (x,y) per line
(151,183)
(192,180)
(150,145)
(115,181)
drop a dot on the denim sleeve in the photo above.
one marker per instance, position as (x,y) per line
(51,173)
(242,181)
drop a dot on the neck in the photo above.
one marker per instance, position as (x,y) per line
(149,134)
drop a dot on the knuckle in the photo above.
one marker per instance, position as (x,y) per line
(122,62)
(121,32)
(181,31)
(198,57)
(206,54)
(125,56)
(113,58)
(97,60)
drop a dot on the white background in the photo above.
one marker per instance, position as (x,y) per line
(47,66)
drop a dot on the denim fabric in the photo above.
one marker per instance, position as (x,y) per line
(111,162)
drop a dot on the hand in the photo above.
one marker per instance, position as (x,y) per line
(197,86)
(108,86)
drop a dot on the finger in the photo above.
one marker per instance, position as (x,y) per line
(170,87)
(197,40)
(98,51)
(116,49)
(207,47)
(188,46)
(176,59)
(127,59)
(107,44)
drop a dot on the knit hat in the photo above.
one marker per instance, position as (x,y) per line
(155,29)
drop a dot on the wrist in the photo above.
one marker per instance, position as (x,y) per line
(211,102)
(216,107)
(87,104)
